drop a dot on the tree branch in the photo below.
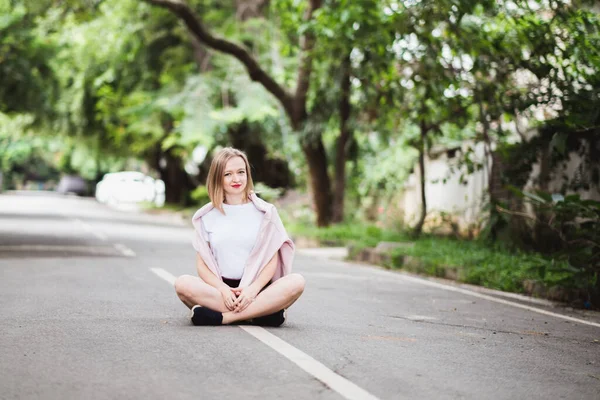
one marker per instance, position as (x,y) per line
(307,43)
(256,73)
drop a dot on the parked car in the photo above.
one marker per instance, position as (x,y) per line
(72,184)
(130,187)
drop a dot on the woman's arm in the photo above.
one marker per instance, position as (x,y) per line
(207,275)
(266,274)
(210,278)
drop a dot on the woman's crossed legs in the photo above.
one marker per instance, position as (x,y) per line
(277,296)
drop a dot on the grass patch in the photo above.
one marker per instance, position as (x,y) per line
(346,234)
(473,262)
(481,264)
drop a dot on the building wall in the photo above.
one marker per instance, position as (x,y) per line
(466,202)
(572,171)
(463,201)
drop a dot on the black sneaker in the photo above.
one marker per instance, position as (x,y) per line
(275,319)
(205,316)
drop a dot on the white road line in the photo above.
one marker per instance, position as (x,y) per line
(334,381)
(88,228)
(101,236)
(52,248)
(341,385)
(486,297)
(121,248)
(167,276)
(126,251)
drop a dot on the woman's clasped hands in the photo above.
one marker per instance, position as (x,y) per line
(229,297)
(238,299)
(245,297)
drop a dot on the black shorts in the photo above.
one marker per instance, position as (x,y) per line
(236,283)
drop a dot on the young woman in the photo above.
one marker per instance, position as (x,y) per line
(244,255)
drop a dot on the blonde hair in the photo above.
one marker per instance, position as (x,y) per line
(214,182)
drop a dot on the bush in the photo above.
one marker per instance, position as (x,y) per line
(569,228)
(480,264)
(200,195)
(267,193)
(345,234)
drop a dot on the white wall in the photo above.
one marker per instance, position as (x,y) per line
(574,168)
(463,201)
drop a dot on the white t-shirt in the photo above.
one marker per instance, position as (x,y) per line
(232,236)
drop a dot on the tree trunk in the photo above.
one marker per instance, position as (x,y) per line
(171,172)
(99,173)
(315,154)
(497,193)
(170,168)
(342,143)
(544,237)
(175,178)
(419,227)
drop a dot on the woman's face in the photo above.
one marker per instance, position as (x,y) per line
(234,177)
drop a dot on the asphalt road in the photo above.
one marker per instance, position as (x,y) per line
(87,312)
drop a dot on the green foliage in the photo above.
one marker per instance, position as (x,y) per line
(490,266)
(27,82)
(385,165)
(24,156)
(124,81)
(200,195)
(569,228)
(343,234)
(65,163)
(476,262)
(267,193)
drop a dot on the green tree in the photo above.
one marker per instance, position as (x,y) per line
(27,82)
(301,109)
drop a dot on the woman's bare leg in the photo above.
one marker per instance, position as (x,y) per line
(194,291)
(279,295)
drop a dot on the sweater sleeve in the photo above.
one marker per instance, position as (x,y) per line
(196,241)
(202,247)
(199,233)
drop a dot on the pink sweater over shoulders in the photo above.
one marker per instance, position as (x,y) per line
(272,238)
